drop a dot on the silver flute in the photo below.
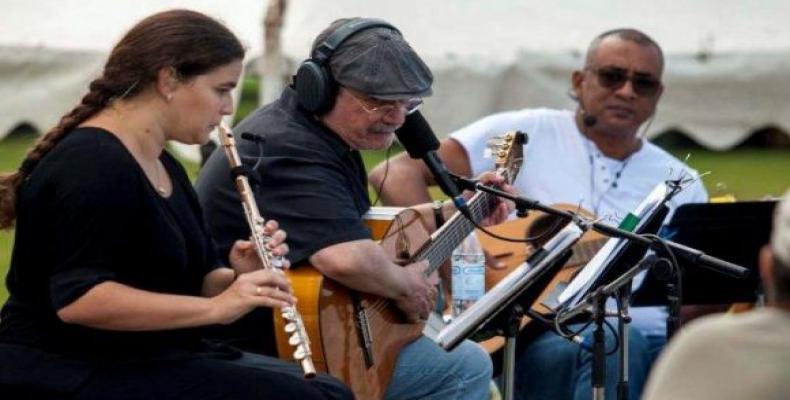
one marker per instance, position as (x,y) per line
(295,326)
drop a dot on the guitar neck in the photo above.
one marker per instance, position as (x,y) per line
(453,232)
(508,153)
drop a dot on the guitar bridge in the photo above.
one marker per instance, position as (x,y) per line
(363,330)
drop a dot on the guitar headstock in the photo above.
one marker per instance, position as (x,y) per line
(508,153)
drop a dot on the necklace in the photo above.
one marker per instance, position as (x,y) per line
(158,184)
(596,204)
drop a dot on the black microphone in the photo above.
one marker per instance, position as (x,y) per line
(253,138)
(588,120)
(418,139)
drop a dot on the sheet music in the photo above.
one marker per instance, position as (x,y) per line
(582,283)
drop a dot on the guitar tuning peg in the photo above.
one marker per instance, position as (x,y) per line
(287,316)
(290,327)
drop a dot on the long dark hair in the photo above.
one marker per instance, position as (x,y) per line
(189,42)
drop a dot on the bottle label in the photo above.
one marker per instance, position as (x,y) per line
(468,282)
(469,277)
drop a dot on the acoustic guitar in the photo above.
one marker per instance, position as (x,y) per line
(541,227)
(356,336)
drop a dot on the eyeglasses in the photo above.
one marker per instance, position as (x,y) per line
(614,78)
(385,107)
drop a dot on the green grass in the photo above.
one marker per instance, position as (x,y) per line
(746,173)
(12,149)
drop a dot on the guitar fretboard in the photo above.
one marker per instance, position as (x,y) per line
(454,231)
(457,228)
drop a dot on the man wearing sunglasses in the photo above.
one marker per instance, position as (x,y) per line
(593,156)
(360,83)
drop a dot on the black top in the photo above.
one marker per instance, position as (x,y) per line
(311,182)
(88,214)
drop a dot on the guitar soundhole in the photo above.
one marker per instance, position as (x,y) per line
(542,229)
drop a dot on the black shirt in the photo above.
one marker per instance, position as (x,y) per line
(86,215)
(311,182)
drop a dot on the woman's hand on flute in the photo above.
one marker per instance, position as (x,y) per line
(261,288)
(244,258)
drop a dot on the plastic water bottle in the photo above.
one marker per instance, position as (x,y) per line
(469,276)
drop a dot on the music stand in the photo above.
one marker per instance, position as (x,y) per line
(615,259)
(505,303)
(730,231)
(618,254)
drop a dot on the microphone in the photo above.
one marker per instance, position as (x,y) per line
(588,120)
(253,138)
(418,139)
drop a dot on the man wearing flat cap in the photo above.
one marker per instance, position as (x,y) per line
(742,356)
(355,90)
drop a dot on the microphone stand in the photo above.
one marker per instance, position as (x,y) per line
(597,299)
(623,321)
(514,315)
(622,288)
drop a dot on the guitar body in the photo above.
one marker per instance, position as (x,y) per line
(513,254)
(339,319)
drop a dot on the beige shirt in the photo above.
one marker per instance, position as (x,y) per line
(722,357)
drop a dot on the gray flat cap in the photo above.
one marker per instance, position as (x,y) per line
(379,63)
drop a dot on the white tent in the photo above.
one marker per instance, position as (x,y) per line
(727,69)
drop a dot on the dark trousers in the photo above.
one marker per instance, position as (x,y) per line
(251,377)
(36,375)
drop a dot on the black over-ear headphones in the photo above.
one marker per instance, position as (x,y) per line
(315,87)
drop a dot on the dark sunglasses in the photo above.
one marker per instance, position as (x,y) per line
(613,78)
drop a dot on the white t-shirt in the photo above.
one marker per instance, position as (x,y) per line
(562,166)
(722,357)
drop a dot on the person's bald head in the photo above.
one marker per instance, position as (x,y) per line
(627,34)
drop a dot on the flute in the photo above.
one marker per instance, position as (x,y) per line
(295,326)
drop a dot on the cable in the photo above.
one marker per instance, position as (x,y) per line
(507,239)
(616,338)
(673,261)
(676,272)
(384,179)
(259,144)
(576,336)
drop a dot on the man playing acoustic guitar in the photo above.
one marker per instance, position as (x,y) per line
(352,94)
(592,156)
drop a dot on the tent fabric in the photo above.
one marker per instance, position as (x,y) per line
(727,60)
(718,102)
(723,75)
(39,85)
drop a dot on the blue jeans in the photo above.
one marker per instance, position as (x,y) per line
(426,371)
(554,368)
(656,344)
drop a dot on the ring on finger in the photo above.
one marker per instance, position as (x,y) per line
(258,290)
